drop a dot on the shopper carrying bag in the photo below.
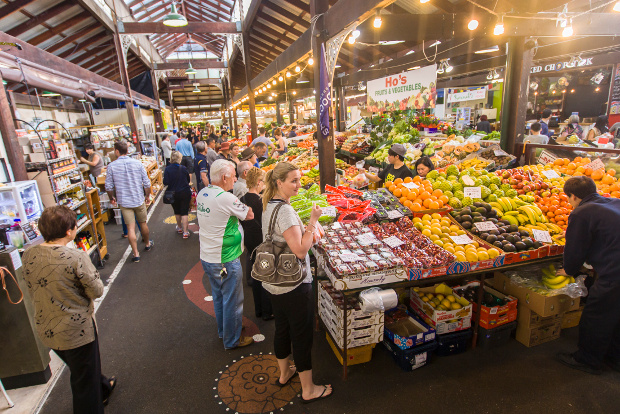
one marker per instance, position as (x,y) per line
(178,193)
(291,301)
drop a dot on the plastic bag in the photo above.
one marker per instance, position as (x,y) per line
(375,299)
(531,278)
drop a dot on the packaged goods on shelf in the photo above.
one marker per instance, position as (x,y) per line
(441,308)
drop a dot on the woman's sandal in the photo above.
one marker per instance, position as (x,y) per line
(279,384)
(320,397)
(112,386)
(186,235)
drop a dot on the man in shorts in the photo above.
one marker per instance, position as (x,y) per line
(128,185)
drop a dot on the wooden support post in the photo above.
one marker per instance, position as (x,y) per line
(291,111)
(279,119)
(14,151)
(159,121)
(342,113)
(248,81)
(171,107)
(133,125)
(229,103)
(13,104)
(327,155)
(514,103)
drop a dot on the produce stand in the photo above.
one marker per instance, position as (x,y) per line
(528,150)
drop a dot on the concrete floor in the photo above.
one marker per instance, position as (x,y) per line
(158,338)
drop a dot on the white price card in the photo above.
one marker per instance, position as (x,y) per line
(366,239)
(393,241)
(329,211)
(485,226)
(597,164)
(336,225)
(350,257)
(551,174)
(373,170)
(360,164)
(410,185)
(542,236)
(395,214)
(468,180)
(546,157)
(463,239)
(473,192)
(500,153)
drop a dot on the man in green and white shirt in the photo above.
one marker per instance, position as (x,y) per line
(221,244)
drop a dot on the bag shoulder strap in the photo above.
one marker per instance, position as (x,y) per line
(274,214)
(3,272)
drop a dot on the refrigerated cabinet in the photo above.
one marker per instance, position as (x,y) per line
(20,200)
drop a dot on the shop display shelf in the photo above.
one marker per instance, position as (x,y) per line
(83,226)
(92,249)
(71,187)
(69,157)
(65,172)
(81,203)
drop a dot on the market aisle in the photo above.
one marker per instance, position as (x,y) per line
(165,351)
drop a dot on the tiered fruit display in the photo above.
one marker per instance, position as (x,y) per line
(554,281)
(440,301)
(424,197)
(605,178)
(439,229)
(526,216)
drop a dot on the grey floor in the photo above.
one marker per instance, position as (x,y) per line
(166,354)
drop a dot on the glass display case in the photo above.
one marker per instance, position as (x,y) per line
(20,200)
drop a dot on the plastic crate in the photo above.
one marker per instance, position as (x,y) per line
(412,358)
(492,338)
(453,343)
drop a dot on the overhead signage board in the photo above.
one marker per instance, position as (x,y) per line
(415,89)
(472,95)
(554,67)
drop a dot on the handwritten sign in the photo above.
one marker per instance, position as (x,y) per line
(329,211)
(463,239)
(393,241)
(500,153)
(597,164)
(336,226)
(473,192)
(485,226)
(394,214)
(542,236)
(366,239)
(550,174)
(410,185)
(546,157)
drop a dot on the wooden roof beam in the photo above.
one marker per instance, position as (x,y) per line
(285,13)
(41,18)
(196,64)
(84,59)
(210,12)
(300,5)
(13,7)
(81,47)
(149,13)
(286,28)
(57,30)
(74,37)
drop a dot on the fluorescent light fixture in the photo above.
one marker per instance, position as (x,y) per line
(337,66)
(414,68)
(498,29)
(48,93)
(390,42)
(174,19)
(410,52)
(487,50)
(438,42)
(473,24)
(424,1)
(294,92)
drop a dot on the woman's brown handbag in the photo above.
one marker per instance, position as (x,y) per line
(275,263)
(3,272)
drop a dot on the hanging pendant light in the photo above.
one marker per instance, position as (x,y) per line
(190,70)
(302,79)
(48,94)
(174,19)
(196,90)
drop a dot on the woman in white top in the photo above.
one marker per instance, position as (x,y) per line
(292,306)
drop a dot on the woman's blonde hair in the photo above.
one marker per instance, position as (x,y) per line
(271,180)
(278,131)
(175,157)
(254,176)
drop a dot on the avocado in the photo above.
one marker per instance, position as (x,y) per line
(501,238)
(501,230)
(479,219)
(491,238)
(528,242)
(494,232)
(520,246)
(513,228)
(466,225)
(487,206)
(466,210)
(509,248)
(524,233)
(505,222)
(493,220)
(498,244)
(454,213)
(482,210)
(484,235)
(475,214)
(537,245)
(477,204)
(466,217)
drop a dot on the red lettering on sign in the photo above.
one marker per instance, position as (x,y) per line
(403,79)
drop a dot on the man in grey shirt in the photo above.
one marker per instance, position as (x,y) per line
(240,188)
(211,154)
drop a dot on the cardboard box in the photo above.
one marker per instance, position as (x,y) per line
(372,335)
(355,317)
(357,355)
(43,182)
(542,305)
(530,319)
(26,149)
(441,321)
(491,317)
(572,318)
(35,144)
(37,157)
(355,333)
(538,335)
(420,332)
(498,336)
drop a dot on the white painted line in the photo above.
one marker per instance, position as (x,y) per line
(51,384)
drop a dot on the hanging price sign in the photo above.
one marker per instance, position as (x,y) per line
(463,239)
(485,226)
(410,185)
(542,236)
(546,157)
(473,192)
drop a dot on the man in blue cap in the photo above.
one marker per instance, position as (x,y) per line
(173,139)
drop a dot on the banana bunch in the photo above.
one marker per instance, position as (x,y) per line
(518,212)
(474,163)
(559,239)
(552,281)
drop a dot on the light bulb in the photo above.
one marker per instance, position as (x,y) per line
(473,24)
(355,33)
(268,86)
(274,82)
(449,68)
(297,69)
(498,29)
(314,92)
(568,31)
(310,61)
(351,40)
(377,22)
(617,7)
(280,78)
(288,74)
(294,92)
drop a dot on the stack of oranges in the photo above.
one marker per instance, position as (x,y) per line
(417,199)
(578,167)
(556,207)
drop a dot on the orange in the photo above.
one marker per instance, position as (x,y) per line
(597,175)
(398,192)
(392,188)
(402,200)
(417,179)
(388,184)
(588,171)
(571,166)
(405,191)
(407,180)
(580,169)
(586,160)
(424,195)
(608,179)
(438,193)
(577,160)
(440,203)
(566,161)
(408,204)
(416,207)
(412,196)
(444,199)
(611,172)
(433,205)
(615,194)
(427,203)
(577,174)
(558,161)
(398,181)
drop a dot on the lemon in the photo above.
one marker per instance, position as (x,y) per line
(471,247)
(430,296)
(493,253)
(440,297)
(446,222)
(455,306)
(425,299)
(427,232)
(436,216)
(459,248)
(460,232)
(434,237)
(454,228)
(427,217)
(481,249)
(460,257)
(438,243)
(436,230)
(416,289)
(449,249)
(419,226)
(417,220)
(471,255)
(451,298)
(435,221)
(445,229)
(446,303)
(483,256)
(475,243)
(453,233)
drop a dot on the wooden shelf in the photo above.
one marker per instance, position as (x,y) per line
(83,226)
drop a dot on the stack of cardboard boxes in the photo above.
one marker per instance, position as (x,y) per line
(540,318)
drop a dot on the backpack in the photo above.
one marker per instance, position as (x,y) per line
(275,262)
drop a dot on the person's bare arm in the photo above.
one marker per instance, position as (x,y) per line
(204,177)
(92,163)
(250,214)
(300,243)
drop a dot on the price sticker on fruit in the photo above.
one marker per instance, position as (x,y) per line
(597,164)
(463,239)
(393,241)
(410,186)
(472,192)
(485,226)
(551,174)
(542,236)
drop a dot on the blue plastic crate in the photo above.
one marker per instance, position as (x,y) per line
(412,358)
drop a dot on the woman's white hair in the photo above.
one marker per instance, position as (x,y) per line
(220,168)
